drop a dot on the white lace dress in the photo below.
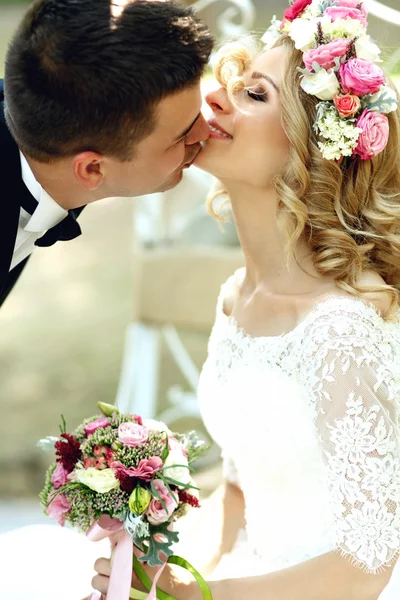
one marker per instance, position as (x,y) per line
(308,423)
(309,426)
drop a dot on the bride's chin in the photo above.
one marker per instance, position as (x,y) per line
(204,161)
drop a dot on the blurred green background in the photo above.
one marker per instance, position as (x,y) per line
(62,328)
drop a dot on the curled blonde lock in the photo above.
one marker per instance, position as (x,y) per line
(349,213)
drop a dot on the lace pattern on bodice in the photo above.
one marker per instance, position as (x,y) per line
(345,360)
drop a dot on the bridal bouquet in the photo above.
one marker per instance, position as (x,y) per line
(119,472)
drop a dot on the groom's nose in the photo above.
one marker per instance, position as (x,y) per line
(200,132)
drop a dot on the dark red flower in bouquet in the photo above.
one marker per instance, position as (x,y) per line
(126,482)
(188,499)
(291,13)
(68,451)
(138,419)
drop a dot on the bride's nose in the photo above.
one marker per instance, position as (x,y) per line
(218,101)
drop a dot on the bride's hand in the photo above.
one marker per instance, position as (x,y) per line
(169,581)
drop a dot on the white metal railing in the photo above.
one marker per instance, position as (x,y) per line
(386,13)
(226,26)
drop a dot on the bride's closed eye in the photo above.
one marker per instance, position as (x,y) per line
(259,95)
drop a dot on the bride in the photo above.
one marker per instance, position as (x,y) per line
(301,387)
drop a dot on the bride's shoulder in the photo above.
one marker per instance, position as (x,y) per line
(341,315)
(382,301)
(229,291)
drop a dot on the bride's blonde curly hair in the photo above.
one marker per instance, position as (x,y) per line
(349,214)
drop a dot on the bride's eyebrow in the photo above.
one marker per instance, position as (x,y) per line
(257,75)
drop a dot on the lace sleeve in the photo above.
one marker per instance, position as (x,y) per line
(357,387)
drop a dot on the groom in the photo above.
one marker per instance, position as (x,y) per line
(100,98)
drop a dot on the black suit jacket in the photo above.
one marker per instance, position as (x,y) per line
(13,192)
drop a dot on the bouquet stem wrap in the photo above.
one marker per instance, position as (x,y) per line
(124,560)
(121,572)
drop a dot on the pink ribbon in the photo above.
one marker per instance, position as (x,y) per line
(121,570)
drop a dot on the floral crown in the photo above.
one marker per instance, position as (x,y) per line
(340,70)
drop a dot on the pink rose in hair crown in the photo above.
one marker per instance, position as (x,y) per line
(132,434)
(342,12)
(291,13)
(325,54)
(360,76)
(59,476)
(93,425)
(156,513)
(374,136)
(354,4)
(347,106)
(58,507)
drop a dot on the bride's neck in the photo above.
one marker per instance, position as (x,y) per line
(263,243)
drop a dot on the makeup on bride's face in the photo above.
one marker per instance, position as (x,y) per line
(247,142)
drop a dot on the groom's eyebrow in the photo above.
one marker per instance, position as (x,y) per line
(188,129)
(257,75)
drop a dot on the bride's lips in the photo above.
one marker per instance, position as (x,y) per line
(217,132)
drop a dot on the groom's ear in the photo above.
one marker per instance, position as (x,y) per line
(88,169)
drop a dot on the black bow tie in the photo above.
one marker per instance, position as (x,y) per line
(67,229)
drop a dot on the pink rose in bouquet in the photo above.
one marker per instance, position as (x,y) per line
(156,512)
(360,76)
(59,476)
(145,470)
(374,136)
(91,427)
(132,434)
(58,508)
(325,54)
(347,105)
(343,12)
(291,13)
(354,4)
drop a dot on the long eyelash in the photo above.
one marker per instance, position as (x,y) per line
(183,139)
(259,96)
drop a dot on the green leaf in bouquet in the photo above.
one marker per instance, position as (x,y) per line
(165,453)
(185,486)
(156,494)
(171,493)
(173,560)
(137,529)
(63,426)
(162,545)
(70,486)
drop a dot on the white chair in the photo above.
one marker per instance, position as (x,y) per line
(175,288)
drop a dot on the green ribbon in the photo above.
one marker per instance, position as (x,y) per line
(173,560)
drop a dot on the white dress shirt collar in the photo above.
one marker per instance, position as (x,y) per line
(48,213)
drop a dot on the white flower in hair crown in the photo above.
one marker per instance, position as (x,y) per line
(340,70)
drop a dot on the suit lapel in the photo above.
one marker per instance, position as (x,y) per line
(13,193)
(12,188)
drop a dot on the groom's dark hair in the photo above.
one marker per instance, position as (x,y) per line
(88,74)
